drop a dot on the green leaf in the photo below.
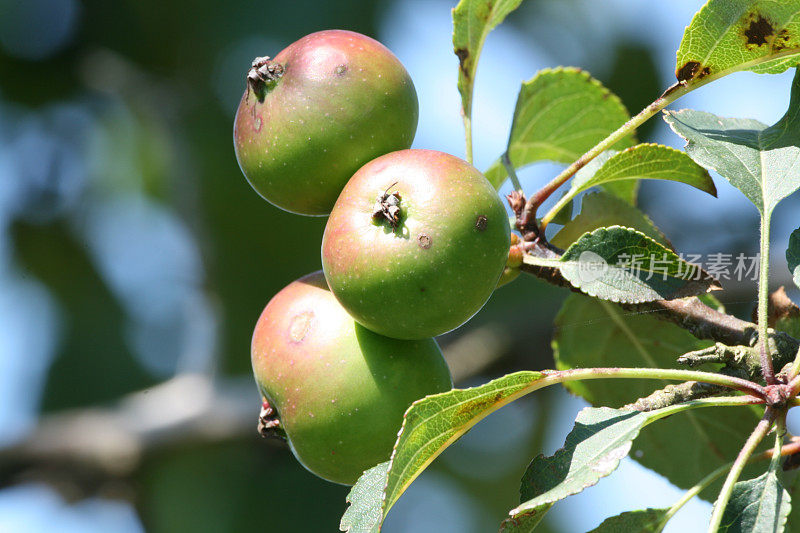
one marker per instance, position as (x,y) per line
(726,36)
(624,265)
(593,333)
(759,505)
(602,209)
(430,425)
(601,438)
(472,22)
(560,114)
(366,502)
(625,190)
(643,521)
(793,523)
(793,256)
(762,162)
(645,161)
(565,214)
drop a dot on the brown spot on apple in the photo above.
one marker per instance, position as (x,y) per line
(300,326)
(424,241)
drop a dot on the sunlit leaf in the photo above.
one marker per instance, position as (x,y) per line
(430,425)
(560,114)
(366,502)
(624,265)
(434,423)
(730,35)
(601,438)
(763,162)
(627,190)
(645,161)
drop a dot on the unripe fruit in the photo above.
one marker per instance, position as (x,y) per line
(415,244)
(340,390)
(324,106)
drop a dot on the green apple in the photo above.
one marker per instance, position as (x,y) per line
(323,107)
(415,244)
(338,389)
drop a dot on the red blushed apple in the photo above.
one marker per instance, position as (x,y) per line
(338,389)
(415,244)
(320,109)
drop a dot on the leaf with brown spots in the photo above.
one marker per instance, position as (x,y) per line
(726,36)
(432,424)
(472,22)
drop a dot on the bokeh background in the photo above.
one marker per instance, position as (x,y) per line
(135,259)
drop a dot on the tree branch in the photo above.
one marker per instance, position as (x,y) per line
(112,440)
(691,314)
(675,394)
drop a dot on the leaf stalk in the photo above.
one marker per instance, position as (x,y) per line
(763,302)
(743,385)
(761,430)
(467,115)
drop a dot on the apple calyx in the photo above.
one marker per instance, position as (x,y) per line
(262,75)
(387,207)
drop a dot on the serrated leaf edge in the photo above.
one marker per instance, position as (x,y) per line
(615,460)
(714,284)
(607,94)
(712,190)
(524,390)
(696,82)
